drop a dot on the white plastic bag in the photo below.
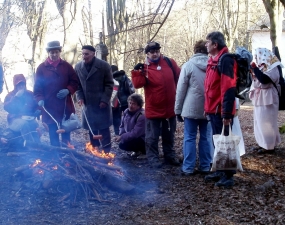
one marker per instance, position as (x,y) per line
(71,124)
(237,131)
(226,155)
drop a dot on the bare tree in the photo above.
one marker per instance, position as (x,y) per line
(275,9)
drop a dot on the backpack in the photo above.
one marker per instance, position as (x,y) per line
(170,65)
(243,58)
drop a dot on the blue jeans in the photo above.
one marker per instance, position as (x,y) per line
(210,139)
(189,145)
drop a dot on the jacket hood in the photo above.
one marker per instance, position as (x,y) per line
(119,73)
(18,78)
(200,60)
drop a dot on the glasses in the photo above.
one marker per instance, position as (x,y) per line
(152,51)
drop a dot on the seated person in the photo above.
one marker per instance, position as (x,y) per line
(132,129)
(22,110)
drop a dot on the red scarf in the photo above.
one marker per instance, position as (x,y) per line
(53,63)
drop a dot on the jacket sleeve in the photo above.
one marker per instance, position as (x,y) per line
(228,87)
(130,86)
(122,126)
(261,77)
(136,132)
(108,83)
(139,79)
(38,86)
(182,87)
(73,80)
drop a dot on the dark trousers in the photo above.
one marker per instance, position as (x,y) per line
(154,128)
(117,114)
(136,145)
(217,127)
(54,137)
(105,141)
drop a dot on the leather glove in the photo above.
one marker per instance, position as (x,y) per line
(37,113)
(62,93)
(41,103)
(179,118)
(20,93)
(139,66)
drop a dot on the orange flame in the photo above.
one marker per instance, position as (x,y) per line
(36,162)
(95,151)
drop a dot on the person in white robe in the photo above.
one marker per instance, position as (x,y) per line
(265,99)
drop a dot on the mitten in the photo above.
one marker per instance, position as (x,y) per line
(139,66)
(41,103)
(62,93)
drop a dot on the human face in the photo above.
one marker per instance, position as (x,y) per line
(87,55)
(153,54)
(133,106)
(211,47)
(54,54)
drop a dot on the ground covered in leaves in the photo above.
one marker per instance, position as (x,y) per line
(161,196)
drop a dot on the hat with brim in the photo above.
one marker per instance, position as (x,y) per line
(18,78)
(151,45)
(53,45)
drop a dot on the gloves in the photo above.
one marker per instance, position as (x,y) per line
(20,93)
(41,103)
(62,93)
(179,118)
(37,113)
(139,66)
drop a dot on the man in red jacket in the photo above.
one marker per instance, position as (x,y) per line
(158,76)
(220,88)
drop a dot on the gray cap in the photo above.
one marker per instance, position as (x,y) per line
(53,45)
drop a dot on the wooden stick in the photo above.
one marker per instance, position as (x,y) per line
(16,153)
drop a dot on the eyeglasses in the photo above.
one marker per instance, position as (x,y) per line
(152,51)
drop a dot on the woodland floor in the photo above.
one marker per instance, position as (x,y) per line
(162,196)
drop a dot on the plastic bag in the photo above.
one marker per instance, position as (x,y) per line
(226,155)
(71,124)
(237,131)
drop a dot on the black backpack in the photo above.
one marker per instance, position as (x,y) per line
(243,58)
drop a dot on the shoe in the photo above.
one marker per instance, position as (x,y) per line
(264,151)
(225,182)
(187,174)
(216,176)
(203,172)
(172,161)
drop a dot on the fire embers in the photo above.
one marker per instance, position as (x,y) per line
(109,157)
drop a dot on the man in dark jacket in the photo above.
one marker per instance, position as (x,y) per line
(94,95)
(22,110)
(220,88)
(158,77)
(132,129)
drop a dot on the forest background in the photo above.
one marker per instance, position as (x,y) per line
(126,26)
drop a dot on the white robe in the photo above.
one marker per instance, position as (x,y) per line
(265,100)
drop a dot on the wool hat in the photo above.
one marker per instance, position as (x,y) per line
(89,47)
(53,45)
(151,45)
(114,68)
(18,78)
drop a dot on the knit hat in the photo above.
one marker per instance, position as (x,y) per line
(151,45)
(53,45)
(89,47)
(18,78)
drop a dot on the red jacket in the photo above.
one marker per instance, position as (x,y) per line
(220,87)
(159,88)
(48,82)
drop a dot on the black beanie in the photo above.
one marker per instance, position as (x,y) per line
(89,47)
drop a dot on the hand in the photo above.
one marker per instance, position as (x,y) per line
(80,102)
(41,103)
(253,65)
(62,93)
(139,66)
(227,122)
(20,93)
(102,105)
(179,118)
(37,113)
(118,139)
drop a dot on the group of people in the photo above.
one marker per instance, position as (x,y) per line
(198,94)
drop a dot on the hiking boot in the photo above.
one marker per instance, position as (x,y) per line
(203,172)
(216,176)
(172,161)
(187,174)
(225,182)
